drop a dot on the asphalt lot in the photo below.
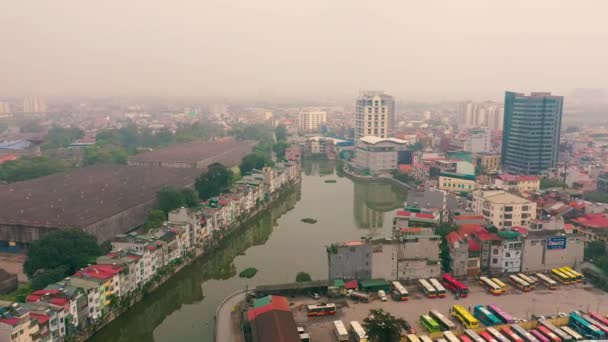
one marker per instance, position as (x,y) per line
(540,301)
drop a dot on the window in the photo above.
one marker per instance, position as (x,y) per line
(494,261)
(508,255)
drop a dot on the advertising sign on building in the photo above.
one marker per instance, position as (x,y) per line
(557,242)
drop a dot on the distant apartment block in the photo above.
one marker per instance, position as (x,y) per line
(519,183)
(481,114)
(531,132)
(478,141)
(602,181)
(503,209)
(311,119)
(375,115)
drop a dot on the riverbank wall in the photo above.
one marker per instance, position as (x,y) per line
(202,252)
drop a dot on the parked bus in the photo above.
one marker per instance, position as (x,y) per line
(340,331)
(413,338)
(497,336)
(540,337)
(565,337)
(599,318)
(450,336)
(439,289)
(548,282)
(399,292)
(429,324)
(360,296)
(454,285)
(501,314)
(578,276)
(585,328)
(473,335)
(424,338)
(465,317)
(441,340)
(561,277)
(548,333)
(575,277)
(357,332)
(485,316)
(596,324)
(512,336)
(487,337)
(444,322)
(519,283)
(528,279)
(426,288)
(525,335)
(490,286)
(321,310)
(575,335)
(465,338)
(501,284)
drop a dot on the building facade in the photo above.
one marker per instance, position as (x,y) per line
(456,182)
(311,119)
(375,115)
(545,250)
(378,154)
(478,141)
(503,209)
(487,162)
(602,181)
(481,114)
(531,132)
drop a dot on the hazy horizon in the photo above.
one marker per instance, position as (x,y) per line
(326,50)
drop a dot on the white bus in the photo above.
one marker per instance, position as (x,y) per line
(530,280)
(358,332)
(399,291)
(548,282)
(443,321)
(428,290)
(424,338)
(413,338)
(497,335)
(450,336)
(438,287)
(340,331)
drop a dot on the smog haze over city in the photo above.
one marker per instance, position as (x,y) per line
(416,50)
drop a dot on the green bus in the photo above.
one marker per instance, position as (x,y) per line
(429,324)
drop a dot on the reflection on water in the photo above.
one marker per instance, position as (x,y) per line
(372,200)
(277,243)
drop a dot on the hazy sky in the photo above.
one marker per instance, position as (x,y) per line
(416,50)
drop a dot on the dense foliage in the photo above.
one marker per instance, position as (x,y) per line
(61,137)
(170,198)
(28,168)
(597,252)
(444,250)
(596,196)
(155,219)
(97,154)
(254,161)
(216,180)
(280,133)
(551,183)
(381,326)
(302,277)
(59,254)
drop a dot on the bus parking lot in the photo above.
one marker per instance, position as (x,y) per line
(522,305)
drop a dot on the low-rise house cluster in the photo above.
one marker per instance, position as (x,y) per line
(136,261)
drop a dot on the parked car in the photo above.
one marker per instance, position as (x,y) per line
(316,296)
(382,295)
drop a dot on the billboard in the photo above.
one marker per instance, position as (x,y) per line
(557,242)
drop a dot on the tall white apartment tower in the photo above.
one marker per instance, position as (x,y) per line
(375,115)
(34,105)
(311,119)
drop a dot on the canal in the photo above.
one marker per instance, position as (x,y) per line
(277,243)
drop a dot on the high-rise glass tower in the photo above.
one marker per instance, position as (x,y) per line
(375,115)
(532,124)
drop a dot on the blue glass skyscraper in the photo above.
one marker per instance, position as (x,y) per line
(532,125)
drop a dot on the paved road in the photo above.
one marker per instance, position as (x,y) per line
(223,319)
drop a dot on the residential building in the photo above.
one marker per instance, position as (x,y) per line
(464,253)
(17,325)
(95,294)
(311,119)
(478,141)
(487,162)
(518,183)
(5,107)
(481,114)
(503,209)
(531,132)
(350,260)
(378,154)
(547,249)
(77,319)
(34,105)
(456,182)
(375,115)
(593,226)
(602,181)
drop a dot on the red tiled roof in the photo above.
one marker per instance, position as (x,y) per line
(279,303)
(470,228)
(99,271)
(520,230)
(593,221)
(405,213)
(351,284)
(7,158)
(485,236)
(453,237)
(11,321)
(59,301)
(474,245)
(353,243)
(41,318)
(468,217)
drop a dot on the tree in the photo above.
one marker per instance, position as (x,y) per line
(253,161)
(28,168)
(302,277)
(216,180)
(546,183)
(47,277)
(280,132)
(170,198)
(71,248)
(279,149)
(595,249)
(155,219)
(190,197)
(381,326)
(596,196)
(61,137)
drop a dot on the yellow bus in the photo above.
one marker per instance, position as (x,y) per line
(490,286)
(465,317)
(548,282)
(520,283)
(577,276)
(561,277)
(528,280)
(569,274)
(503,286)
